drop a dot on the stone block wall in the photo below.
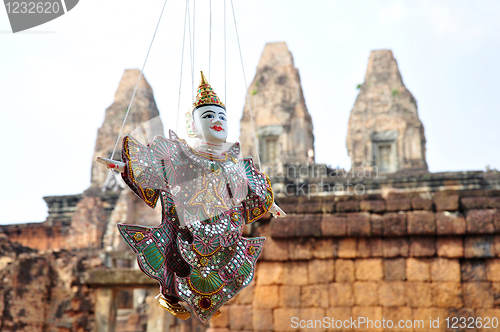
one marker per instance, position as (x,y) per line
(399,257)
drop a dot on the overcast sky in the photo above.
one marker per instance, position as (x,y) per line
(57,79)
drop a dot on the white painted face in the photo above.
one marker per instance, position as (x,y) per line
(211,123)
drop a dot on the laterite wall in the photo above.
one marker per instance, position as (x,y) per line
(406,256)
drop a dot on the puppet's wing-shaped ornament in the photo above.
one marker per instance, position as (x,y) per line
(204,187)
(155,169)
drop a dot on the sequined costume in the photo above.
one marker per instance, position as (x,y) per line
(197,253)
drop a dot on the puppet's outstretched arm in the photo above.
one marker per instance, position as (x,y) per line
(112,164)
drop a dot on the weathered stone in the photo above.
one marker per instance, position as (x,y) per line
(394,224)
(394,247)
(446,203)
(456,314)
(422,247)
(477,295)
(282,318)
(493,269)
(369,269)
(496,245)
(479,246)
(358,224)
(313,204)
(309,225)
(395,269)
(333,226)
(42,290)
(418,269)
(496,218)
(447,294)
(480,222)
(275,249)
(377,225)
(296,273)
(278,108)
(364,250)
(265,297)
(423,314)
(395,205)
(347,248)
(270,273)
(469,203)
(262,320)
(418,294)
(314,296)
(347,206)
(449,223)
(289,296)
(299,249)
(344,270)
(341,294)
(314,319)
(495,291)
(338,314)
(421,223)
(443,269)
(418,203)
(490,314)
(450,247)
(392,293)
(320,271)
(397,314)
(88,224)
(324,248)
(385,110)
(366,293)
(373,313)
(284,227)
(372,206)
(375,247)
(473,270)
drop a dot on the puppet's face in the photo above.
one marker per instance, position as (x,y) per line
(211,123)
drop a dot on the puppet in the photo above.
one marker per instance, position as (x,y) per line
(208,195)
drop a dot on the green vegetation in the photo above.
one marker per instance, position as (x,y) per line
(254,92)
(395,93)
(358,86)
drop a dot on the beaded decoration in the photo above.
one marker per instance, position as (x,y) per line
(197,253)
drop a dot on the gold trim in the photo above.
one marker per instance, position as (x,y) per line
(201,293)
(199,253)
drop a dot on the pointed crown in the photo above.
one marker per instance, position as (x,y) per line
(206,95)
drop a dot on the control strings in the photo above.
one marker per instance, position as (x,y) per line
(138,80)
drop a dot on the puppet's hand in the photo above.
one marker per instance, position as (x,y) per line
(277,211)
(112,164)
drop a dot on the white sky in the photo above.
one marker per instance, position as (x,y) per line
(57,79)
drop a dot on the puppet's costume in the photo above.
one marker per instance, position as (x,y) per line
(197,253)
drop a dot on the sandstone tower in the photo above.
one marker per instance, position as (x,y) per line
(143,122)
(384,128)
(283,125)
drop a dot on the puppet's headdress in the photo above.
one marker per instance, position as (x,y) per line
(206,95)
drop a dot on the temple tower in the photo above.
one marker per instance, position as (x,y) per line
(384,128)
(283,124)
(143,122)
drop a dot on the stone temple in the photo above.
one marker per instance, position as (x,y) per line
(283,125)
(384,129)
(386,240)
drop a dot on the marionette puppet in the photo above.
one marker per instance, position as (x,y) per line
(208,195)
